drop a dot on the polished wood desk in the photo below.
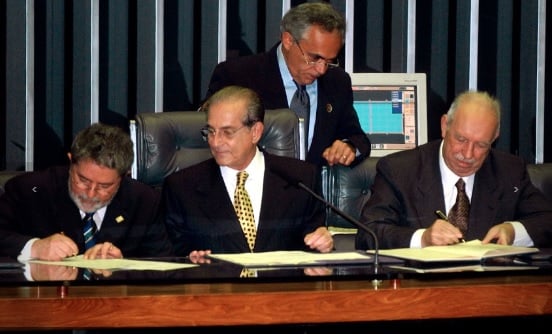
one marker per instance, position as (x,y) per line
(287,302)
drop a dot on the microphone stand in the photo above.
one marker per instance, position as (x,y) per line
(350,219)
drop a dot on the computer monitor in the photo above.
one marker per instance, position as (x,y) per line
(392,109)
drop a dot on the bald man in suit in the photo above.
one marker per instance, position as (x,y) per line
(505,207)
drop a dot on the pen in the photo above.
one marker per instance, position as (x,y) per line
(441,215)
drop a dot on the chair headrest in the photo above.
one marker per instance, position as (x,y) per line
(169,141)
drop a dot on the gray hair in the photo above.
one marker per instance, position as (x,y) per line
(480,97)
(299,18)
(106,145)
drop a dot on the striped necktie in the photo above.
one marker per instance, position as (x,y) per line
(89,230)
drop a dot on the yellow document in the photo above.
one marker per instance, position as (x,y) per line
(467,251)
(116,264)
(292,258)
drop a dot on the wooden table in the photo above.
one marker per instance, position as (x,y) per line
(247,303)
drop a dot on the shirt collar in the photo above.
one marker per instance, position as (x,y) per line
(255,169)
(289,84)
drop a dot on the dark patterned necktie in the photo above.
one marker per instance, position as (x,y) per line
(300,104)
(89,230)
(244,210)
(459,213)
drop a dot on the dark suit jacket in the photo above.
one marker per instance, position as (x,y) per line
(335,116)
(200,215)
(407,190)
(37,204)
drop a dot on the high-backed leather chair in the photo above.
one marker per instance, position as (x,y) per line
(541,176)
(347,188)
(169,141)
(5,175)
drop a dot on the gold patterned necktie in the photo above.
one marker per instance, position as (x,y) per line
(459,213)
(244,210)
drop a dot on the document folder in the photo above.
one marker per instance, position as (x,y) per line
(471,251)
(293,258)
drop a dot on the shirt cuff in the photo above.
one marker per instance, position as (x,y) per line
(416,240)
(521,237)
(347,141)
(26,251)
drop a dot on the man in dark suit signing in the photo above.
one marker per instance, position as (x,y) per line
(312,34)
(410,186)
(41,212)
(200,200)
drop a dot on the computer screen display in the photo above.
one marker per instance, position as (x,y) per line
(392,109)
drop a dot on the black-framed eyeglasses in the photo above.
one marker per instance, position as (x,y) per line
(208,132)
(319,60)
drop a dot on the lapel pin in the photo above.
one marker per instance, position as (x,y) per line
(119,219)
(329,108)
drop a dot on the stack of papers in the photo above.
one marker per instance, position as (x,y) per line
(293,258)
(468,251)
(116,264)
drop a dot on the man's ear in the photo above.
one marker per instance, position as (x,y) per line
(287,40)
(257,130)
(444,125)
(69,156)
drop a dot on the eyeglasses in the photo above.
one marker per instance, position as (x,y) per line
(319,60)
(226,133)
(85,184)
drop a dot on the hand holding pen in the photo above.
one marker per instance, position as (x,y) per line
(442,216)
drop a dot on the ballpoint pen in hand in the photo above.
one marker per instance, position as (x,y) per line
(441,215)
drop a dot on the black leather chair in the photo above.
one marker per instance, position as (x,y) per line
(169,141)
(5,175)
(541,176)
(348,189)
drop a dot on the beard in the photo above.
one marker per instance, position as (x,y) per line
(86,203)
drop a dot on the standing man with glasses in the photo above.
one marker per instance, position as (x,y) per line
(41,212)
(205,208)
(312,35)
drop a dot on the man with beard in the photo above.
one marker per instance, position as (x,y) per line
(41,212)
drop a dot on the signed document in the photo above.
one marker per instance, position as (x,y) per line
(472,250)
(116,264)
(293,258)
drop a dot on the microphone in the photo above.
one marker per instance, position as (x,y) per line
(298,183)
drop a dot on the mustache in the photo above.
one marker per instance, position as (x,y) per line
(460,157)
(93,203)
